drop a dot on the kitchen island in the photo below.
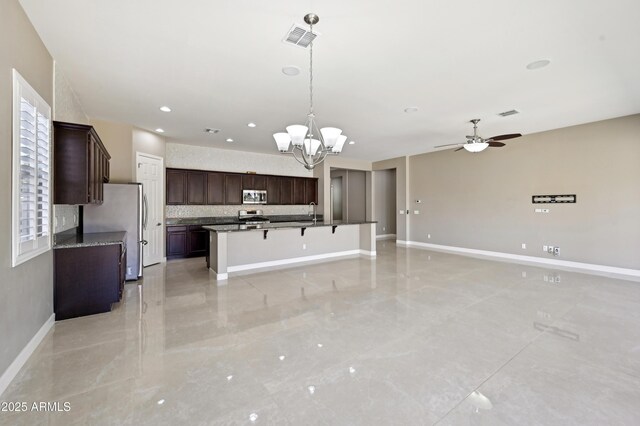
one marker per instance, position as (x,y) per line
(236,248)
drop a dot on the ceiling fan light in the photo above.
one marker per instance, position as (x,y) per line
(282,140)
(337,148)
(297,133)
(311,146)
(330,136)
(475,146)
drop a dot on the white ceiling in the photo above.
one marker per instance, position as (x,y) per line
(218,64)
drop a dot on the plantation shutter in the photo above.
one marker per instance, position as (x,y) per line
(32,172)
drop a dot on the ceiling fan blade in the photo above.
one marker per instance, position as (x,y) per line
(505,137)
(456,150)
(496,144)
(449,144)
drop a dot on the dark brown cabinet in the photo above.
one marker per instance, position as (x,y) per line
(311,191)
(176,241)
(250,181)
(81,164)
(274,184)
(196,187)
(186,241)
(215,188)
(232,188)
(286,191)
(299,187)
(87,280)
(176,187)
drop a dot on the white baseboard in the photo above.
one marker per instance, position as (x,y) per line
(25,353)
(386,237)
(269,264)
(368,253)
(612,271)
(401,242)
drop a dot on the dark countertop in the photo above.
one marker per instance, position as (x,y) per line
(233,220)
(74,240)
(282,225)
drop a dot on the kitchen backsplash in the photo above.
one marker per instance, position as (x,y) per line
(211,211)
(66,217)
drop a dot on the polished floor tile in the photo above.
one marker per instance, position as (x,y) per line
(411,337)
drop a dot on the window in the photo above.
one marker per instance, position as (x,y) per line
(31,232)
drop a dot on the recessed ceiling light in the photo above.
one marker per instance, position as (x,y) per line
(290,70)
(538,64)
(252,124)
(165,109)
(352,142)
(229,140)
(211,130)
(411,109)
(159,130)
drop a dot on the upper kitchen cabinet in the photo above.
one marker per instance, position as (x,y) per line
(176,186)
(311,191)
(251,181)
(81,164)
(299,187)
(274,184)
(232,188)
(286,190)
(215,188)
(196,187)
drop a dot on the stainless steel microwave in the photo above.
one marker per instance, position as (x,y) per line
(254,196)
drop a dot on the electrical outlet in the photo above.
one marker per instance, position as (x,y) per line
(524,246)
(304,246)
(556,251)
(550,250)
(545,249)
(428,236)
(64,221)
(384,229)
(129,270)
(75,219)
(416,212)
(401,211)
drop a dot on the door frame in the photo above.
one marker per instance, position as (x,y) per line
(162,196)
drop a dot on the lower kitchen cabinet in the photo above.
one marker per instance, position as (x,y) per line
(186,241)
(88,280)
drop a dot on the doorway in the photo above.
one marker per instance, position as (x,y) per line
(336,198)
(150,172)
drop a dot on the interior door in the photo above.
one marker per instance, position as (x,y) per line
(150,173)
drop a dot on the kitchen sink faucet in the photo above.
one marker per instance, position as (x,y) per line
(314,211)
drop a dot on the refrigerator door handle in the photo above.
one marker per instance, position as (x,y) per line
(146,211)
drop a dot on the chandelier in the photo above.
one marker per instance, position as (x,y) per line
(308,145)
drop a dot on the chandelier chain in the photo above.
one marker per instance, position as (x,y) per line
(311,71)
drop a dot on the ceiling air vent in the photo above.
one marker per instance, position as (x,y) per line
(299,36)
(508,113)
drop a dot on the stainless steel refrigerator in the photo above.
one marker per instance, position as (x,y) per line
(121,210)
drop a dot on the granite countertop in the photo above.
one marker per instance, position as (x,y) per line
(282,225)
(89,240)
(233,220)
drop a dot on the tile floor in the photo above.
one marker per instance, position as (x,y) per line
(412,337)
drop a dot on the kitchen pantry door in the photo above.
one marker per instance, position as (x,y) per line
(150,172)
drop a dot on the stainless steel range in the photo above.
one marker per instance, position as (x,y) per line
(251,217)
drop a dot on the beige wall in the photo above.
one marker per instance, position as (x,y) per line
(483,201)
(117,138)
(385,201)
(26,291)
(148,143)
(401,167)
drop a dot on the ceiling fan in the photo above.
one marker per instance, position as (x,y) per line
(477,143)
